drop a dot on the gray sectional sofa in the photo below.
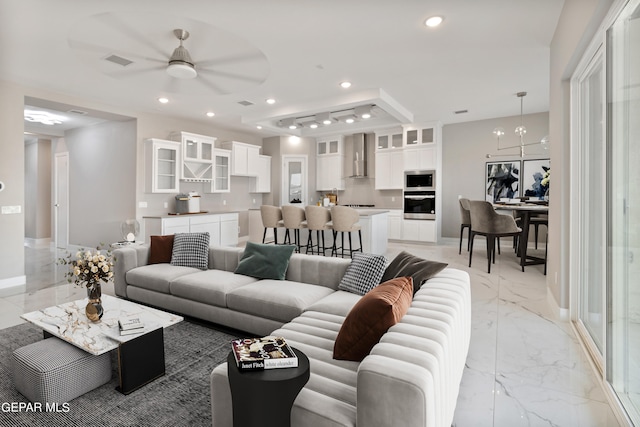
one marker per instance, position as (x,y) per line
(410,378)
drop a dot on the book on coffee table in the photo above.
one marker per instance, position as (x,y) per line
(130,325)
(269,352)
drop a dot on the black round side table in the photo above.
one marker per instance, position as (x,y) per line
(265,398)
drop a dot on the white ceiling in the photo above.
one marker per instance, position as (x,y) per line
(296,52)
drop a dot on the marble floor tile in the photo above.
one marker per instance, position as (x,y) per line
(525,367)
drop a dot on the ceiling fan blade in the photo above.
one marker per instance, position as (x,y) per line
(116,23)
(212,85)
(231,75)
(134,71)
(246,57)
(91,47)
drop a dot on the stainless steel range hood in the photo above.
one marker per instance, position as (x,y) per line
(359,161)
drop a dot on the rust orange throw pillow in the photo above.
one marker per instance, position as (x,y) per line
(160,249)
(378,310)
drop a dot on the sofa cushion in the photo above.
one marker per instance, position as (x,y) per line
(209,287)
(280,300)
(265,261)
(420,270)
(157,277)
(371,317)
(339,303)
(191,250)
(160,249)
(363,274)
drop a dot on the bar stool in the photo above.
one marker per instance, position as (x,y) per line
(465,221)
(294,219)
(271,218)
(345,220)
(318,220)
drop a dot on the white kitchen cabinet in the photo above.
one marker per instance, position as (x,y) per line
(329,172)
(419,230)
(222,228)
(389,170)
(197,156)
(262,181)
(389,139)
(329,145)
(221,182)
(415,135)
(229,229)
(420,158)
(395,224)
(244,158)
(162,166)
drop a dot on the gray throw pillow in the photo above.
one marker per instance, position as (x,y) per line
(363,274)
(419,269)
(265,261)
(191,250)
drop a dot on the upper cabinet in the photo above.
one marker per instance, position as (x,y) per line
(416,135)
(262,182)
(389,139)
(244,158)
(162,166)
(329,145)
(221,182)
(197,156)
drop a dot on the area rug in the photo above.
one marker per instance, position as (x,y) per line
(180,398)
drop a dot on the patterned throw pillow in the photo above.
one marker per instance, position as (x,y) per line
(191,250)
(363,274)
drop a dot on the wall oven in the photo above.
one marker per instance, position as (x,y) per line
(419,180)
(420,204)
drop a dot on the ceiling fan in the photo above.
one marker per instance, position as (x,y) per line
(235,64)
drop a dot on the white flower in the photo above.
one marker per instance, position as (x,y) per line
(76,271)
(105,268)
(94,269)
(102,258)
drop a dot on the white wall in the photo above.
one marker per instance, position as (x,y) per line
(37,206)
(464,155)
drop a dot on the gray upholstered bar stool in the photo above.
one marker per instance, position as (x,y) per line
(318,220)
(294,220)
(465,221)
(345,220)
(271,218)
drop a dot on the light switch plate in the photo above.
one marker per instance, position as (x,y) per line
(6,210)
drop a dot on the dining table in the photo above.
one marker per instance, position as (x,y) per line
(526,211)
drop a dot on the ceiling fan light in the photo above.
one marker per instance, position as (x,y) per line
(181,70)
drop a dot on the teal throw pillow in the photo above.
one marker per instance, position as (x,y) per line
(265,261)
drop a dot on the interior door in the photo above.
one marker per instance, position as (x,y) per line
(61,200)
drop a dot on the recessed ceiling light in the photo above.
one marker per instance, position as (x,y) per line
(163,100)
(270,101)
(258,127)
(349,120)
(434,21)
(293,127)
(366,116)
(211,114)
(345,85)
(326,122)
(313,125)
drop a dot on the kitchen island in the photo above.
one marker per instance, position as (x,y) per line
(374,231)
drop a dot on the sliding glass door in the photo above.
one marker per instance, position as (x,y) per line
(623,331)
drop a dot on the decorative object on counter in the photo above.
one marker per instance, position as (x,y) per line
(129,229)
(90,268)
(188,203)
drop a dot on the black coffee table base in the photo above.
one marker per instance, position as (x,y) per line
(265,398)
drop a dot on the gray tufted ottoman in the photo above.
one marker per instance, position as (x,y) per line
(52,370)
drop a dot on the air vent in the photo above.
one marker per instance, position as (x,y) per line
(77,112)
(118,60)
(245,103)
(461,112)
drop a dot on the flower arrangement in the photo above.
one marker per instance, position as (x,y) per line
(546,178)
(89,267)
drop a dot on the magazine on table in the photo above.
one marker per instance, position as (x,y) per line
(269,352)
(130,325)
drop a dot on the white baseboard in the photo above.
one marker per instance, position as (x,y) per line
(37,243)
(13,286)
(563,313)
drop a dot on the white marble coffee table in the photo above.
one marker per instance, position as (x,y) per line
(140,356)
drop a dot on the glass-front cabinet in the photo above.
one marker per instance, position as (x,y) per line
(222,171)
(197,156)
(162,165)
(388,139)
(329,145)
(417,135)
